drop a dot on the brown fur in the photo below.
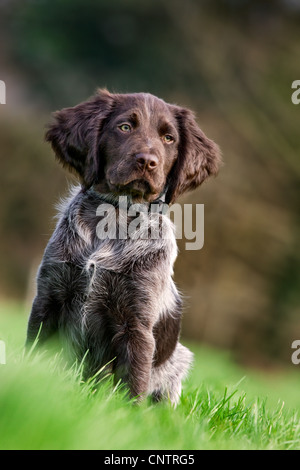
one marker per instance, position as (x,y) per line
(115,298)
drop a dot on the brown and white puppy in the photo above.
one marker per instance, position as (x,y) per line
(113,299)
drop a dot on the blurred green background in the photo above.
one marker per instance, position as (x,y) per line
(233,62)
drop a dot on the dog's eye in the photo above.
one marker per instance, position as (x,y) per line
(125,127)
(168,139)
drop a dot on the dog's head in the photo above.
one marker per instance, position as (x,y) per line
(133,144)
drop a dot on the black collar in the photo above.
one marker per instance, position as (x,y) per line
(158,206)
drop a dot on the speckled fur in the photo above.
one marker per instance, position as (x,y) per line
(113,301)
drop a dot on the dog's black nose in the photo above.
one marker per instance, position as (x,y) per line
(147,161)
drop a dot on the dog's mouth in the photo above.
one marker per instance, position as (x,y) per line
(137,189)
(138,186)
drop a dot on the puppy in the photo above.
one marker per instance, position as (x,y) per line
(112,299)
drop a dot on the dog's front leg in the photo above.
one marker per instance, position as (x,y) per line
(43,321)
(134,348)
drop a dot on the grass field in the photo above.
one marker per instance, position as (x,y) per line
(44,405)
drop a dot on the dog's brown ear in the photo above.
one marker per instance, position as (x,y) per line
(198,156)
(74,136)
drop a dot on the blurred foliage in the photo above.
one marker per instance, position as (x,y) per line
(233,62)
(30,185)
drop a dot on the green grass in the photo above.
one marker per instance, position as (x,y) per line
(44,405)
